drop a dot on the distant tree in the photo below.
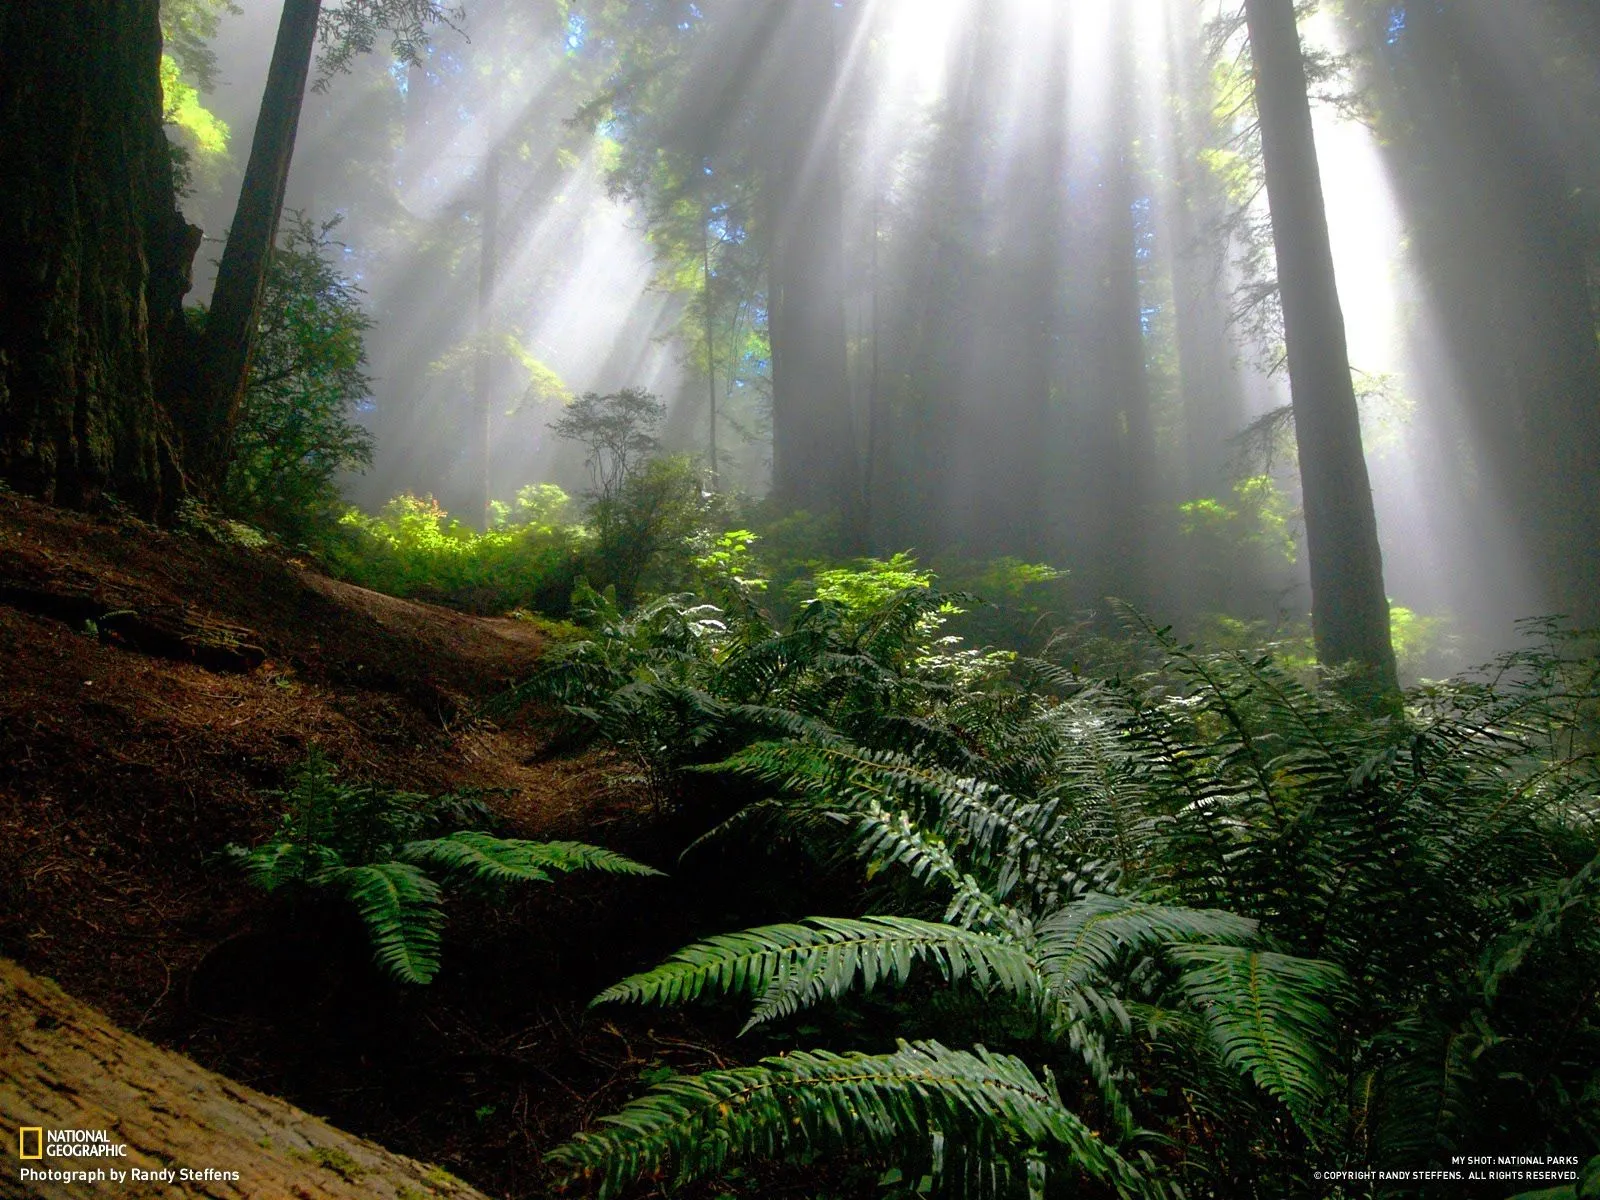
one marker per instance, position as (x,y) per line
(814,458)
(188,72)
(641,504)
(619,432)
(1349,610)
(1490,120)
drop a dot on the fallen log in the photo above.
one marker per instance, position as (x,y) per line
(87,1109)
(175,631)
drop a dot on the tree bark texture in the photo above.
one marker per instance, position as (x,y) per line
(94,256)
(65,1066)
(230,332)
(1349,611)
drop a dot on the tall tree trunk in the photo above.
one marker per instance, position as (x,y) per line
(230,332)
(1208,379)
(1124,339)
(870,474)
(1512,231)
(711,350)
(94,256)
(483,363)
(1349,611)
(814,459)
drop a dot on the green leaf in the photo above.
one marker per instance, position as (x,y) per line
(504,860)
(1083,941)
(987,1110)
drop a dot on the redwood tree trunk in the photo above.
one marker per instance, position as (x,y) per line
(814,459)
(230,333)
(1349,611)
(94,256)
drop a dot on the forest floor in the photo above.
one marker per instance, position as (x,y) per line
(154,689)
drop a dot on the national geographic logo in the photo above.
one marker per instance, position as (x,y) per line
(35,1143)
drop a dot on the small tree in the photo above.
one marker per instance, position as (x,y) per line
(619,432)
(640,503)
(295,431)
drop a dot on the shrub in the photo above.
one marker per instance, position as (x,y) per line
(414,548)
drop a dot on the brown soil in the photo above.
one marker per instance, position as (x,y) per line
(154,688)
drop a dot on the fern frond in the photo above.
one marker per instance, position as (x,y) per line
(1425,1091)
(400,907)
(1083,941)
(887,838)
(580,856)
(893,1107)
(790,967)
(1270,1017)
(506,860)
(275,864)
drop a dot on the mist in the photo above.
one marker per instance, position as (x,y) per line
(981,279)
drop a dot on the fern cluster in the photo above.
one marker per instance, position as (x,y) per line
(388,853)
(1250,929)
(678,683)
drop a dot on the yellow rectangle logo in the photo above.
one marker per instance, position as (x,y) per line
(38,1141)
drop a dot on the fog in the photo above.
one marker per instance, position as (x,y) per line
(1002,266)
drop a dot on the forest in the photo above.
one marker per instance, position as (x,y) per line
(814,599)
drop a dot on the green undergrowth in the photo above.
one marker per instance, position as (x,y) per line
(413,548)
(1198,928)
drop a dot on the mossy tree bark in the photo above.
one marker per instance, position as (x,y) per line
(94,257)
(1349,610)
(64,1066)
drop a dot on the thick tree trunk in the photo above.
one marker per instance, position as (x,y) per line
(230,332)
(94,256)
(814,458)
(1349,611)
(1504,245)
(64,1066)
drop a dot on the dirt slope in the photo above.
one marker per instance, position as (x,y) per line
(152,688)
